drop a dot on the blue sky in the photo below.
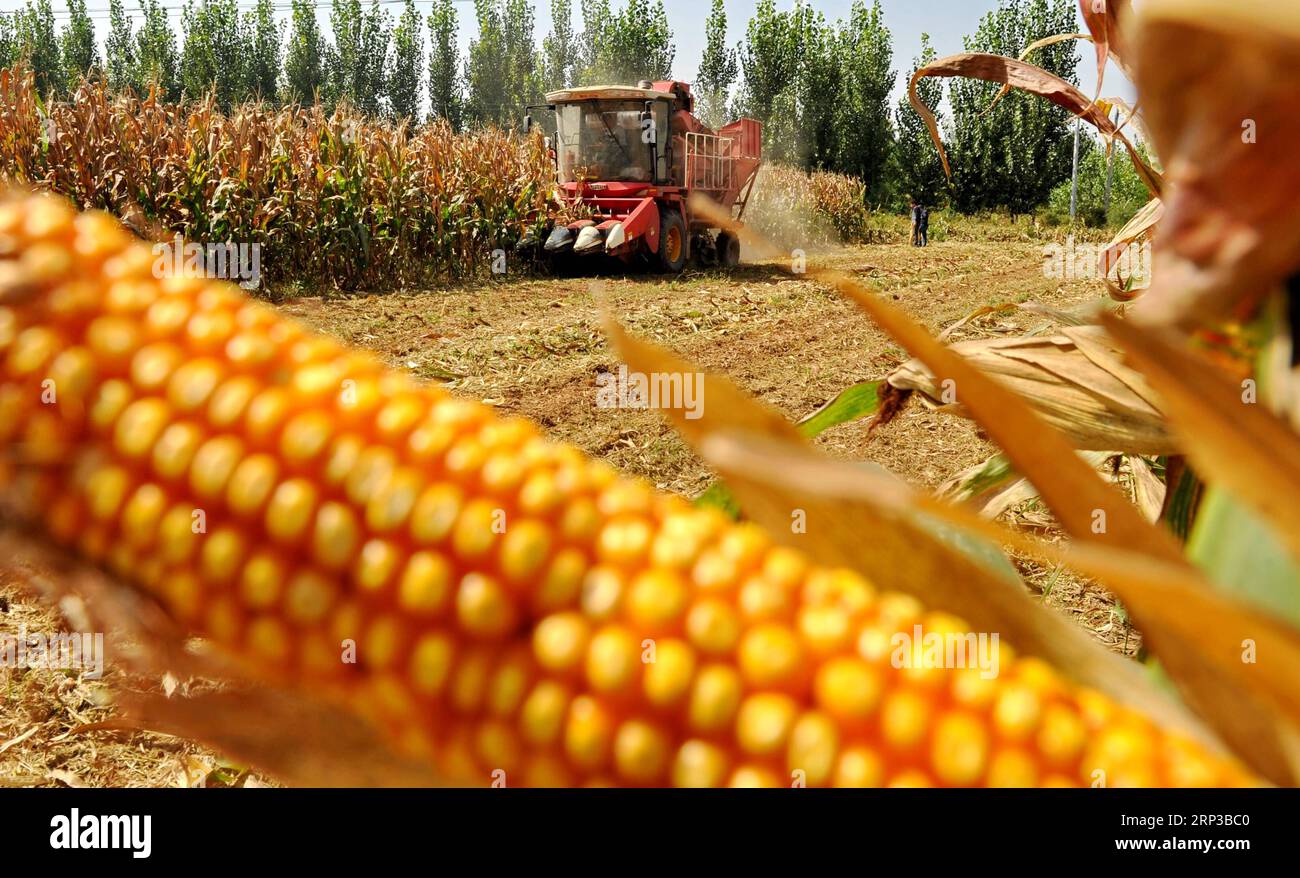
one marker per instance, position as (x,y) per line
(947,21)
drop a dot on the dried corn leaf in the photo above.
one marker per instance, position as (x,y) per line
(1148,491)
(1105,20)
(1086,314)
(1232,439)
(1110,260)
(1035,80)
(992,487)
(1024,56)
(1075,380)
(1134,118)
(1218,84)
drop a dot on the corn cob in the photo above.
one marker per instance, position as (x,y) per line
(494,601)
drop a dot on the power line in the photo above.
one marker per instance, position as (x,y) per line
(102,14)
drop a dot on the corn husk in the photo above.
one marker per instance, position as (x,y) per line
(1219,89)
(1075,379)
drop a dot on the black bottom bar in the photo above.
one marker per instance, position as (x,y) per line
(630,829)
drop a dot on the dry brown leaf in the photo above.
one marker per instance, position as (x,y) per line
(1233,442)
(295,737)
(1011,491)
(1105,19)
(15,741)
(1148,491)
(1140,224)
(1132,117)
(983,311)
(1218,83)
(1035,80)
(67,778)
(1024,56)
(1074,380)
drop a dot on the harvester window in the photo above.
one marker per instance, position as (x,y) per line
(603,140)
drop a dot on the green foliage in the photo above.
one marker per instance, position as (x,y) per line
(1243,552)
(119,51)
(502,74)
(304,75)
(769,58)
(155,59)
(445,97)
(864,131)
(821,90)
(264,59)
(77,43)
(8,41)
(215,52)
(920,172)
(624,47)
(817,94)
(718,68)
(408,66)
(357,64)
(560,50)
(850,404)
(1127,194)
(1013,156)
(37,44)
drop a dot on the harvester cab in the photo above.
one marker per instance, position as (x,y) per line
(628,159)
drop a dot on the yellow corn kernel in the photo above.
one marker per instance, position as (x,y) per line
(764,722)
(613,660)
(425,586)
(483,606)
(641,752)
(700,764)
(560,641)
(495,600)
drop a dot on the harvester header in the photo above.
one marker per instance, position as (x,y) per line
(632,156)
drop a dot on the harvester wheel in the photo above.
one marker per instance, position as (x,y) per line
(672,241)
(728,246)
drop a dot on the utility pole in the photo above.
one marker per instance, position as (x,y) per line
(1110,171)
(1074,176)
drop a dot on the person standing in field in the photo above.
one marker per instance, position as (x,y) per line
(915,216)
(923,231)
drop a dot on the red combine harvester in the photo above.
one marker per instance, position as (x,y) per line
(632,156)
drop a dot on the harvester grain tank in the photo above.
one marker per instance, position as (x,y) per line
(628,160)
